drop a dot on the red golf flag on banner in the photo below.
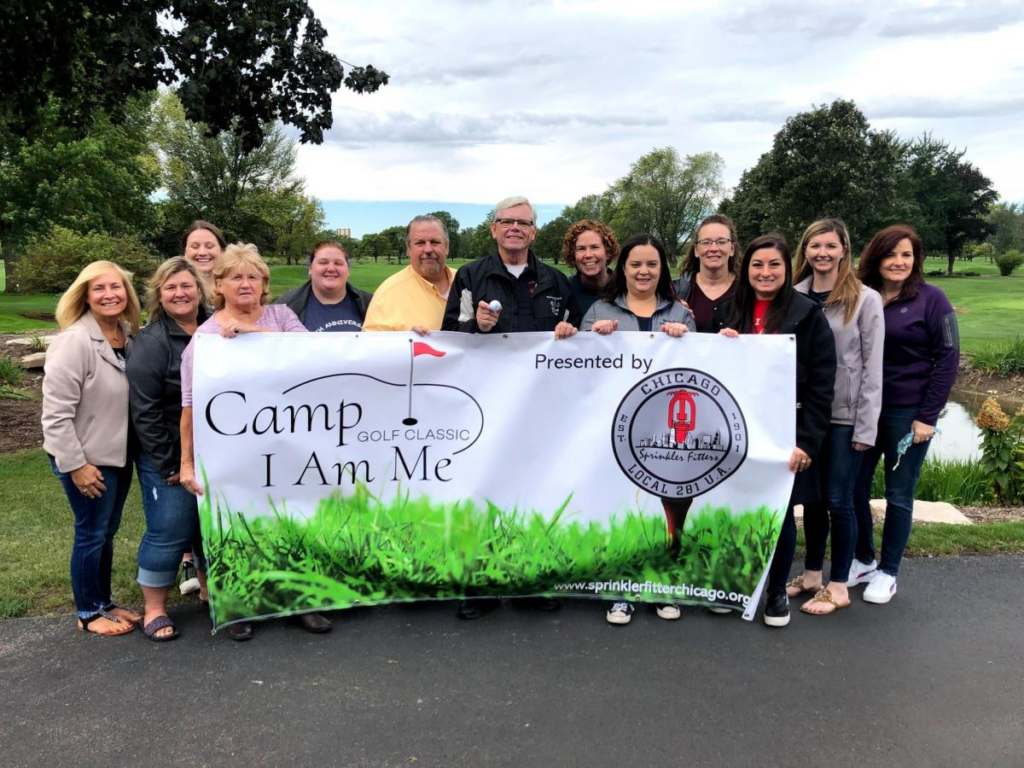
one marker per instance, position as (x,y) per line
(419,348)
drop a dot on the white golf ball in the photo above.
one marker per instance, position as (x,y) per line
(495,306)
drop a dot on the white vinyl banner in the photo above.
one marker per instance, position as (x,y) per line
(347,469)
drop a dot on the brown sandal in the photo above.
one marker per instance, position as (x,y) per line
(798,585)
(823,596)
(124,628)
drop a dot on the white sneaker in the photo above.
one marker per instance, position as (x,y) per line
(718,609)
(620,613)
(862,573)
(669,612)
(881,589)
(189,579)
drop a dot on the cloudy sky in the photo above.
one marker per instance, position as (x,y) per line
(554,100)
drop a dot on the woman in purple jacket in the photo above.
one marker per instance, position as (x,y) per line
(922,351)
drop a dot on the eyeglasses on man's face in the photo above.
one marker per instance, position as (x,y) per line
(721,242)
(506,223)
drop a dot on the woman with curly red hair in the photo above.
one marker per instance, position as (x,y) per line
(589,247)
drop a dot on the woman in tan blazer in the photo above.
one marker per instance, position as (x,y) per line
(86,430)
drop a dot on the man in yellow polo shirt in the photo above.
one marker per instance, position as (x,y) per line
(414,299)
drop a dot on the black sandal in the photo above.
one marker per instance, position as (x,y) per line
(160,622)
(83,624)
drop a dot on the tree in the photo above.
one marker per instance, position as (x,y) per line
(236,64)
(477,241)
(548,243)
(451,226)
(667,196)
(948,197)
(823,163)
(1007,221)
(101,182)
(251,194)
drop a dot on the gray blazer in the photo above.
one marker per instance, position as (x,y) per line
(85,399)
(667,312)
(859,345)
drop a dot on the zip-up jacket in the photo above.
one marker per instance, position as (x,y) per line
(487,279)
(815,382)
(154,390)
(667,312)
(859,349)
(297,298)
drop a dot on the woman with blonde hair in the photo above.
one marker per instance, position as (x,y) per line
(87,432)
(176,306)
(854,313)
(241,288)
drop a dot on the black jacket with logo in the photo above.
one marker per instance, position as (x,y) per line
(815,380)
(487,279)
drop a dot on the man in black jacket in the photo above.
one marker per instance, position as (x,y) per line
(327,302)
(533,296)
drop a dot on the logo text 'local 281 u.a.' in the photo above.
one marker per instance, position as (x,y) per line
(678,433)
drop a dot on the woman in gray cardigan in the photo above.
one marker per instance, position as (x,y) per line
(87,434)
(640,297)
(854,312)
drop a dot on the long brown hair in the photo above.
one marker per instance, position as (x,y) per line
(742,319)
(846,291)
(691,264)
(881,245)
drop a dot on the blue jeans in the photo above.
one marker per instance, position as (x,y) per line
(96,523)
(838,467)
(172,527)
(893,425)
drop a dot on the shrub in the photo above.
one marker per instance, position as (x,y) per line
(1002,451)
(11,374)
(51,263)
(1009,261)
(1005,358)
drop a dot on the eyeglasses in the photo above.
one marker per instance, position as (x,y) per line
(506,223)
(720,242)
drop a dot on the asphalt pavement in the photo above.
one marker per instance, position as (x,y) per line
(935,678)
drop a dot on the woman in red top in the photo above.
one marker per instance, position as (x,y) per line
(765,302)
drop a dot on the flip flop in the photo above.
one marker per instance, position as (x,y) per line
(125,614)
(160,622)
(823,596)
(798,585)
(126,626)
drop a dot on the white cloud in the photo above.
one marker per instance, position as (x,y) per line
(556,99)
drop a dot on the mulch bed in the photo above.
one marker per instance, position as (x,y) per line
(993,514)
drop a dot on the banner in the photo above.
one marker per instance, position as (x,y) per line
(355,469)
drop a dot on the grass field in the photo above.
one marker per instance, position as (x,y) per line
(37,533)
(989,307)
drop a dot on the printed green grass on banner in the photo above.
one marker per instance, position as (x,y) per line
(358,549)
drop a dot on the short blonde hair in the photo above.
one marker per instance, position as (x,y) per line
(73,304)
(167,270)
(235,256)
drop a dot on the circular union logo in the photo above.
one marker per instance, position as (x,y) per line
(678,433)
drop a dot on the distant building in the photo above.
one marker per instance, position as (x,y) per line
(343,232)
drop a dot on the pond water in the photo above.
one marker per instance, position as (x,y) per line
(961,438)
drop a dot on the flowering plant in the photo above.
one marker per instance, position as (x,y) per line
(1002,448)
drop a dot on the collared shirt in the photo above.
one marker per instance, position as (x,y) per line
(405,299)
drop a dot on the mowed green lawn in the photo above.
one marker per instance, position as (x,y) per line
(989,307)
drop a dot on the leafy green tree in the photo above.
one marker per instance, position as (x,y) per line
(451,226)
(373,246)
(825,162)
(52,262)
(1007,221)
(295,221)
(236,64)
(101,182)
(947,197)
(667,195)
(395,239)
(548,243)
(477,241)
